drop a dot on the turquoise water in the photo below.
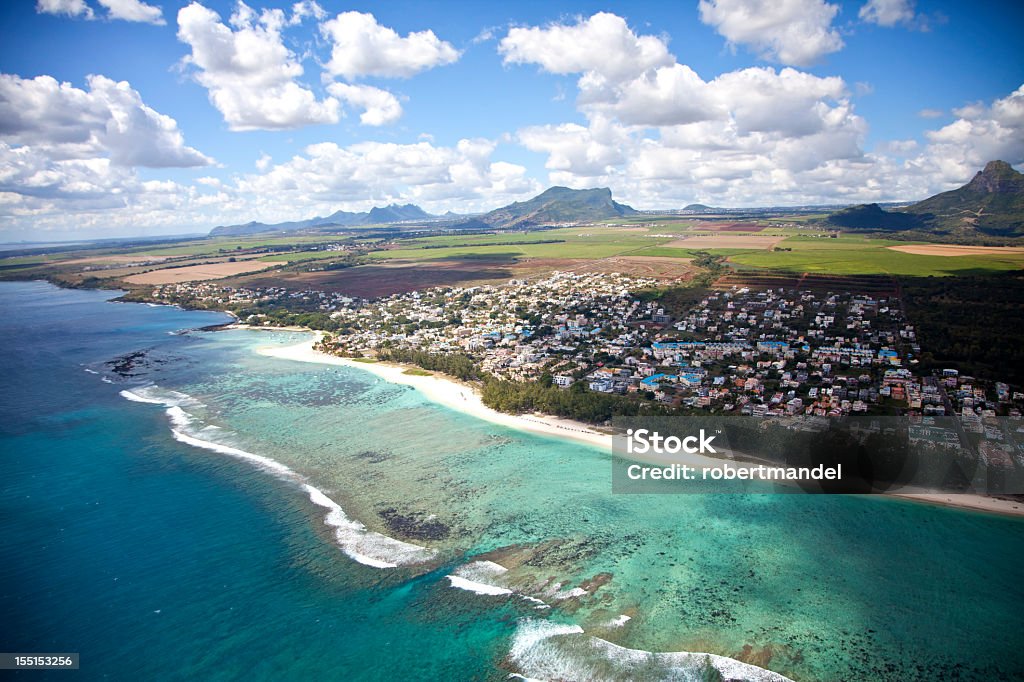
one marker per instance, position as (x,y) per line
(147,534)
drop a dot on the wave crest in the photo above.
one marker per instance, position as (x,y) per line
(360,544)
(547,650)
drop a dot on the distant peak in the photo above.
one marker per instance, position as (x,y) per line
(998,177)
(997,166)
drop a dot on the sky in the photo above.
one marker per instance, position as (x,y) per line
(132,118)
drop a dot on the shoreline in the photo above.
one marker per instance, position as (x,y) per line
(449,392)
(464,398)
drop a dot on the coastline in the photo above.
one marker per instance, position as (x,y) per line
(465,398)
(450,393)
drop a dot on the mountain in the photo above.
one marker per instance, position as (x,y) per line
(396,214)
(375,216)
(992,203)
(873,217)
(559,205)
(699,208)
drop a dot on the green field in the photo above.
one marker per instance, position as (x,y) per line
(849,255)
(577,242)
(846,255)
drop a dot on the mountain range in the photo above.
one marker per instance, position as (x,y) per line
(992,204)
(554,205)
(339,219)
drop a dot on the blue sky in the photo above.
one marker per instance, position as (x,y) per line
(119,117)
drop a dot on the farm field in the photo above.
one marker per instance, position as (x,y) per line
(862,256)
(196,273)
(727,241)
(647,246)
(957,250)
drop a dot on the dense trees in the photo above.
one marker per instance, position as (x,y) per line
(457,365)
(971,323)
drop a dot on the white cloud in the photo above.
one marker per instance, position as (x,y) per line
(379,107)
(68,157)
(108,120)
(125,10)
(931,113)
(795,32)
(249,73)
(889,13)
(71,8)
(660,135)
(134,10)
(602,45)
(305,9)
(362,47)
(979,134)
(652,121)
(583,151)
(327,176)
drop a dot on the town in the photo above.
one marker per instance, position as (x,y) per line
(741,350)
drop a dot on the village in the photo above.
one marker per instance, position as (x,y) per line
(761,352)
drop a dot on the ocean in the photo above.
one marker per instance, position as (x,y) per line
(174,505)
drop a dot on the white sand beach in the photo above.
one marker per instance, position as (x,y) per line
(464,397)
(451,393)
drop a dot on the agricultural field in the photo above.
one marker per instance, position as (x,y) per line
(855,255)
(196,273)
(660,247)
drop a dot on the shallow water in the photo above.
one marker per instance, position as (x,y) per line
(300,520)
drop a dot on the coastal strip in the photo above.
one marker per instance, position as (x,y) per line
(465,398)
(450,393)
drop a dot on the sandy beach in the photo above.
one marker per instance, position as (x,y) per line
(451,393)
(464,397)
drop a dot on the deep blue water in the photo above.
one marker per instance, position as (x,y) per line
(118,543)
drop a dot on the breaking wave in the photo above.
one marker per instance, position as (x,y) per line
(545,650)
(360,544)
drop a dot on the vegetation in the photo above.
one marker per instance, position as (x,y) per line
(576,402)
(991,204)
(871,217)
(859,255)
(974,324)
(458,365)
(559,205)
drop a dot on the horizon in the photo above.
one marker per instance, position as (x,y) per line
(652,211)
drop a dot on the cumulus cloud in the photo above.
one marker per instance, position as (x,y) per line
(650,118)
(602,45)
(249,72)
(362,47)
(981,133)
(584,151)
(889,13)
(304,10)
(70,8)
(134,10)
(659,134)
(96,183)
(328,175)
(109,120)
(794,32)
(68,156)
(379,107)
(125,10)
